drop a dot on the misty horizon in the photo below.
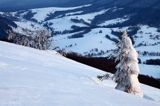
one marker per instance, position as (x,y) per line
(13,5)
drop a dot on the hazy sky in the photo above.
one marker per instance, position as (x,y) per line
(33,1)
(28,1)
(24,4)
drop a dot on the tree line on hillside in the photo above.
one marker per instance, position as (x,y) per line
(40,40)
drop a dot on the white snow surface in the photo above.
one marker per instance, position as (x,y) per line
(27,28)
(64,23)
(87,42)
(149,38)
(150,70)
(29,25)
(1,13)
(90,16)
(42,13)
(30,77)
(74,13)
(114,21)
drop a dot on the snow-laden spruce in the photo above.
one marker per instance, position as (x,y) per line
(127,72)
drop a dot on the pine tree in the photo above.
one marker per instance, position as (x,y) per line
(127,72)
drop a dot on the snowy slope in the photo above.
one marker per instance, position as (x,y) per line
(30,77)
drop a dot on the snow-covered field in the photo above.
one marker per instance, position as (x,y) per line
(114,21)
(30,77)
(150,70)
(64,23)
(27,28)
(91,40)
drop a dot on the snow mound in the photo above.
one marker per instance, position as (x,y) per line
(30,77)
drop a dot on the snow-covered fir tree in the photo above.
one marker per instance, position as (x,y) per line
(127,72)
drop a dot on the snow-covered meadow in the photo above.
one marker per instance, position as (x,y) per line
(83,29)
